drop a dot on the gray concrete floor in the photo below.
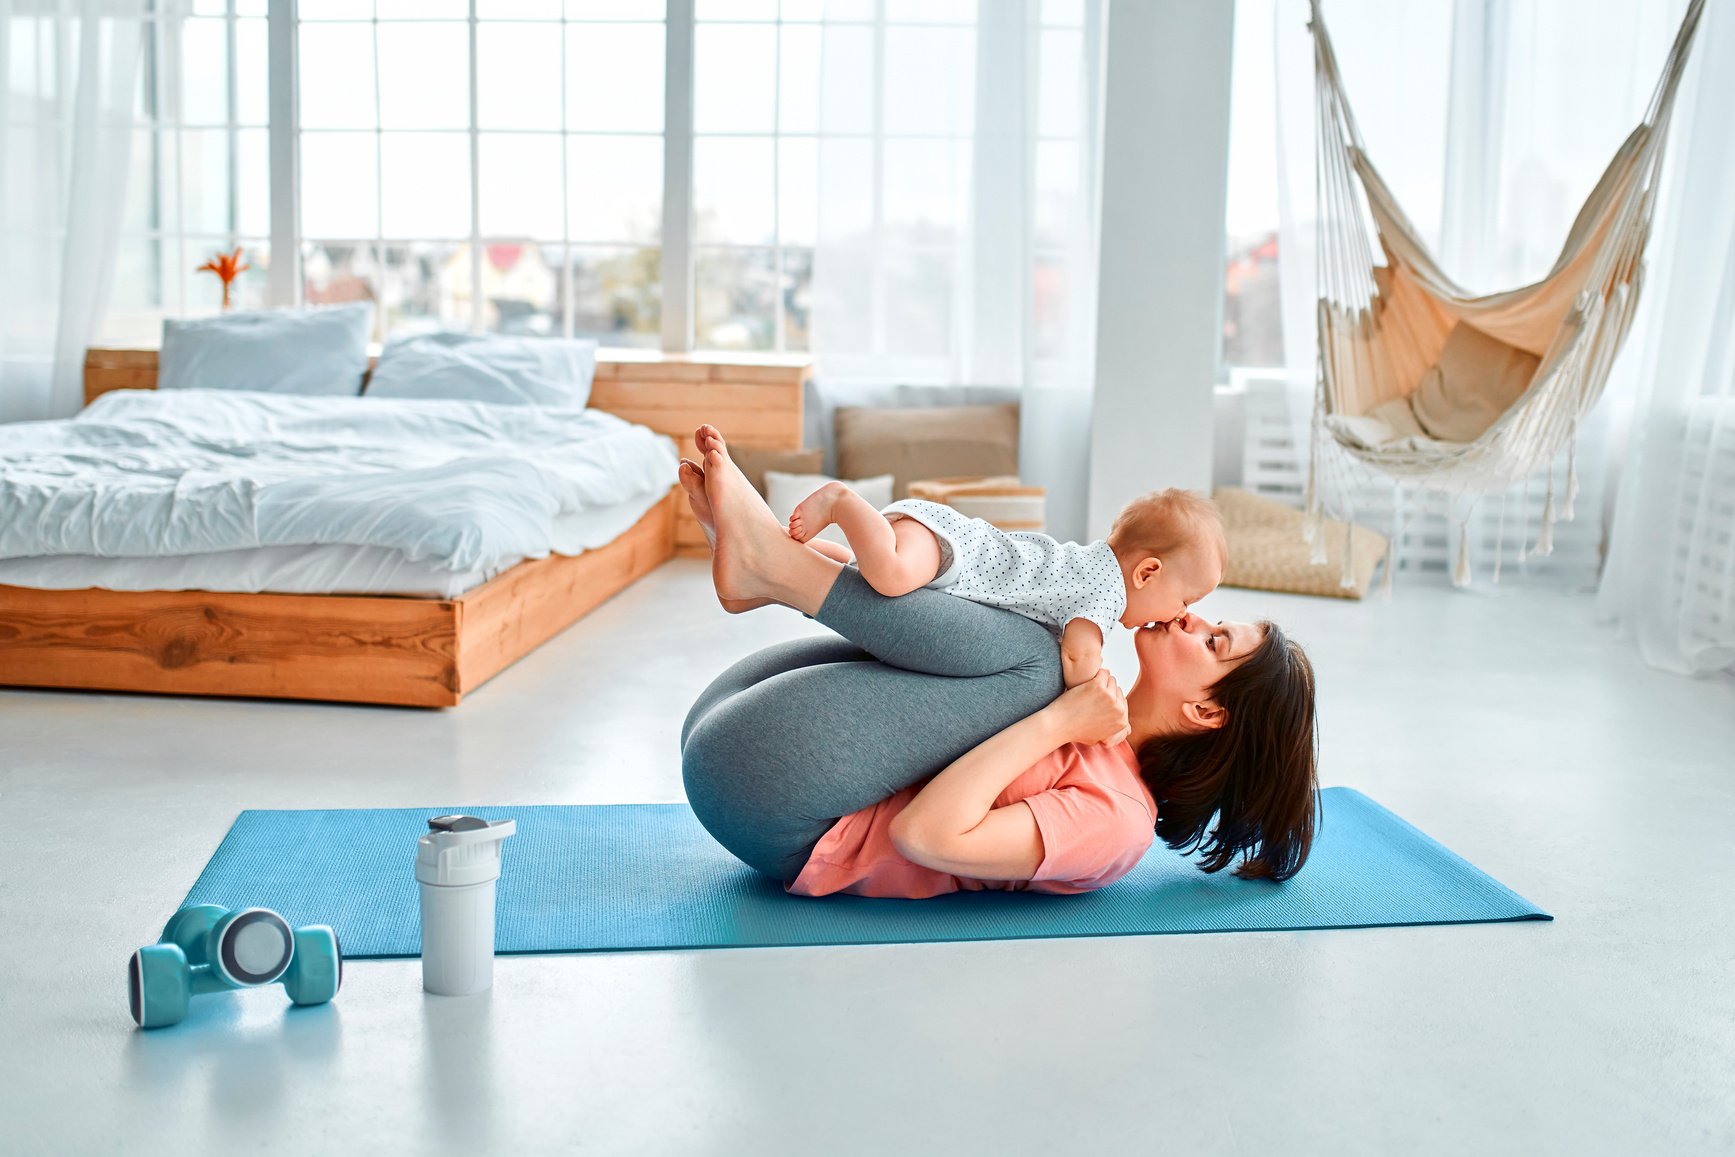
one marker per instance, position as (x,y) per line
(1505,723)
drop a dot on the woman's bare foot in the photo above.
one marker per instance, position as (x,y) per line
(815,512)
(750,548)
(692,479)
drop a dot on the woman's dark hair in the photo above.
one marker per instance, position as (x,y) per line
(1256,774)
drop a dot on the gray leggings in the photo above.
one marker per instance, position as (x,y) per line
(790,738)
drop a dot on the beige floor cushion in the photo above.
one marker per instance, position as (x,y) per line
(1268,553)
(926,442)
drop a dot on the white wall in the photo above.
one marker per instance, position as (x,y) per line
(1160,281)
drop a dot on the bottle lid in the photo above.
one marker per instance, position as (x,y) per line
(461,850)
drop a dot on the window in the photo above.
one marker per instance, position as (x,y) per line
(755,169)
(510,166)
(495,166)
(950,230)
(895,150)
(1065,186)
(199,181)
(1252,305)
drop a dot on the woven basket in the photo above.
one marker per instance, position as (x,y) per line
(1267,551)
(1000,501)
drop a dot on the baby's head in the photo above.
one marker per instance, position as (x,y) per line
(1170,547)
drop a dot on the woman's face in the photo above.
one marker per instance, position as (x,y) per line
(1179,661)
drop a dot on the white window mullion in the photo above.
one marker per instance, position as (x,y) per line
(677,257)
(284,137)
(568,283)
(171,29)
(777,188)
(878,338)
(232,116)
(476,318)
(1081,343)
(162,173)
(379,247)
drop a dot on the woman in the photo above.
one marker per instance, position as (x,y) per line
(815,761)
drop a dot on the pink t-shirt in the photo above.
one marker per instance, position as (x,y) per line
(1095,814)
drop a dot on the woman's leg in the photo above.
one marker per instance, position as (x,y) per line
(762,665)
(791,738)
(755,560)
(831,550)
(934,632)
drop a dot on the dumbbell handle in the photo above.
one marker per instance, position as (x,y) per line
(206,979)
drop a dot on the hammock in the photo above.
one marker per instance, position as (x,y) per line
(1428,384)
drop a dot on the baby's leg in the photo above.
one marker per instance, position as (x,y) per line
(894,557)
(912,565)
(831,503)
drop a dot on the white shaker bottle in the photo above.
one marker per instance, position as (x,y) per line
(457,864)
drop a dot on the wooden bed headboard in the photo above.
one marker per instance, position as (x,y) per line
(755,399)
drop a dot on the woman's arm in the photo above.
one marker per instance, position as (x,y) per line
(953,826)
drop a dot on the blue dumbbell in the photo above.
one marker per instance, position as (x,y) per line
(209,948)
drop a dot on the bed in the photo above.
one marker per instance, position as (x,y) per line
(426,638)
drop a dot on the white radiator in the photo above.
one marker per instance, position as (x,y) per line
(1274,463)
(1704,569)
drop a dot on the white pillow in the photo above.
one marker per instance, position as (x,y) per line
(511,371)
(279,351)
(784,492)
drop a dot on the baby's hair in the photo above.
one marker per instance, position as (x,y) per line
(1163,522)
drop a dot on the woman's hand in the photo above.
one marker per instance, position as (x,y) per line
(1095,711)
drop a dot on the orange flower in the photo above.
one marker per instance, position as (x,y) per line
(227,266)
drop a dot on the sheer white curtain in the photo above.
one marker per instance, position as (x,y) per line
(1492,120)
(1670,578)
(958,162)
(68,79)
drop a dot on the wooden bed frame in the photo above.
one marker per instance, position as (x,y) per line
(391,649)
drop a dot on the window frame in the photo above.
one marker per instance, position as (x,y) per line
(681,252)
(287,286)
(174,242)
(288,138)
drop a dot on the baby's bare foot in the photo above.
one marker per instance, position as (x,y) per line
(815,512)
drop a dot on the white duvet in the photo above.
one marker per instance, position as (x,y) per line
(177,472)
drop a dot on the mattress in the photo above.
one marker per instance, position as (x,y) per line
(353,570)
(236,491)
(463,485)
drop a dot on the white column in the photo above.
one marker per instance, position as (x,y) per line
(1160,279)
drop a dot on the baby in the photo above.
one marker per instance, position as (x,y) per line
(1164,552)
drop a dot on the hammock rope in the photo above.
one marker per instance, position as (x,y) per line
(1389,327)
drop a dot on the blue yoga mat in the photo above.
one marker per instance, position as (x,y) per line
(638,876)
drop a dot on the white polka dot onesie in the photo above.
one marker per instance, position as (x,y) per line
(1039,577)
